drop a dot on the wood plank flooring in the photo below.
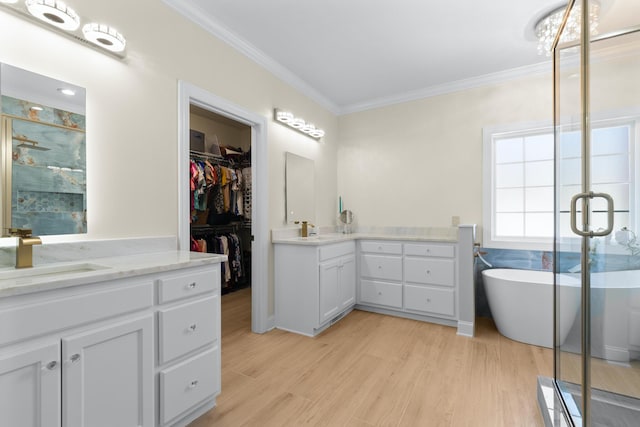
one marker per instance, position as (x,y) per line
(374,370)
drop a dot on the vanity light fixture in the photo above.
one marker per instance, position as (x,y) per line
(54,12)
(104,36)
(297,123)
(547,27)
(57,16)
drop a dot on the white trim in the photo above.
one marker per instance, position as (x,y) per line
(217,29)
(451,87)
(214,27)
(189,94)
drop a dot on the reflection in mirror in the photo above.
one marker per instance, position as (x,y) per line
(43,153)
(300,188)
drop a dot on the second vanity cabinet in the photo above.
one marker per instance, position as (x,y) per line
(416,279)
(91,355)
(314,285)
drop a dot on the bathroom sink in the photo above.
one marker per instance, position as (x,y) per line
(49,270)
(324,237)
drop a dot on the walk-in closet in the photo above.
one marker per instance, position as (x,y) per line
(221,194)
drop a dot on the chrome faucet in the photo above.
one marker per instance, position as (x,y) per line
(24,250)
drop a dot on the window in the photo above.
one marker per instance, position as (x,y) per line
(519,181)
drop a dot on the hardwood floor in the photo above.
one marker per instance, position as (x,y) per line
(374,370)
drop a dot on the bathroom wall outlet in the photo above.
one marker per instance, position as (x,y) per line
(455,220)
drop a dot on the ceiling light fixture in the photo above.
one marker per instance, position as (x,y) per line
(54,12)
(297,123)
(104,36)
(547,27)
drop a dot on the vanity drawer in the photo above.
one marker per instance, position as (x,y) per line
(188,383)
(376,247)
(187,327)
(381,293)
(430,300)
(426,249)
(381,267)
(429,271)
(337,250)
(171,288)
(43,317)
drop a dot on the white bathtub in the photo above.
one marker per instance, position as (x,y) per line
(521,303)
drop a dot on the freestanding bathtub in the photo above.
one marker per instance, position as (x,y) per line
(521,302)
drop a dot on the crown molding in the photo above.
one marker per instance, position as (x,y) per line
(214,27)
(218,30)
(450,87)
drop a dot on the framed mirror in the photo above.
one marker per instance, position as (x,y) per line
(300,181)
(43,154)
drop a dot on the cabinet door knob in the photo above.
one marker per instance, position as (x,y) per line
(428,299)
(193,384)
(191,328)
(52,365)
(75,358)
(191,285)
(428,271)
(379,293)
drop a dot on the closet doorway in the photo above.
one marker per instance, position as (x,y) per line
(234,139)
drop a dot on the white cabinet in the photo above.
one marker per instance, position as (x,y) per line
(30,386)
(412,279)
(189,374)
(314,285)
(337,286)
(91,355)
(107,375)
(381,274)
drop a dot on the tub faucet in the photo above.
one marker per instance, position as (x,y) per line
(24,250)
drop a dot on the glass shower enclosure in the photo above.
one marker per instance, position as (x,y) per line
(597,224)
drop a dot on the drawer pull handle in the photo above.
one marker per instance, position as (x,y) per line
(379,267)
(191,285)
(75,358)
(193,384)
(191,328)
(52,365)
(379,248)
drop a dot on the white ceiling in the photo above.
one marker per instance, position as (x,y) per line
(351,55)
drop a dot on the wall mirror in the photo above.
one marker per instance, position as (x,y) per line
(43,155)
(300,181)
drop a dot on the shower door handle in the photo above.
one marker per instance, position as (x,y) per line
(591,233)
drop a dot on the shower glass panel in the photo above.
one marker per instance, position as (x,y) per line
(597,129)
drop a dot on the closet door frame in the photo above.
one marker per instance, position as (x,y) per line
(189,94)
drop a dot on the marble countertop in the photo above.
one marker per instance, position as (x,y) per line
(324,239)
(57,275)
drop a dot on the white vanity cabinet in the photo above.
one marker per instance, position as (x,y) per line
(381,274)
(188,344)
(314,285)
(30,386)
(107,375)
(411,279)
(96,343)
(92,354)
(430,280)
